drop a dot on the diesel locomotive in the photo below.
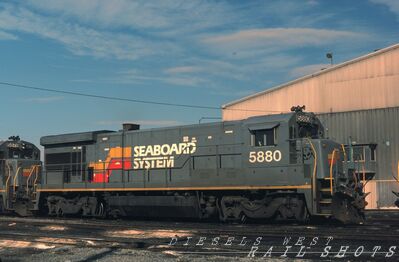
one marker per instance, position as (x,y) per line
(20,168)
(275,167)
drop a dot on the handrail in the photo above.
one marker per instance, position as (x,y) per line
(364,175)
(27,180)
(315,156)
(9,175)
(131,169)
(314,170)
(331,170)
(355,177)
(15,179)
(36,176)
(343,149)
(33,169)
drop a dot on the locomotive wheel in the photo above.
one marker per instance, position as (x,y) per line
(60,212)
(278,217)
(100,210)
(243,218)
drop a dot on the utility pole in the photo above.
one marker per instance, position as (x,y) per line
(330,56)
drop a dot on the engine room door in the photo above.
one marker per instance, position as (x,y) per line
(133,178)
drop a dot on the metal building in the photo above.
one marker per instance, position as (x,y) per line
(358,99)
(380,126)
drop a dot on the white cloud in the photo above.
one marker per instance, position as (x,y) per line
(136,76)
(82,80)
(282,37)
(312,2)
(182,69)
(209,73)
(176,34)
(244,70)
(7,36)
(186,81)
(252,44)
(108,13)
(234,93)
(43,100)
(130,30)
(393,5)
(80,40)
(307,69)
(164,16)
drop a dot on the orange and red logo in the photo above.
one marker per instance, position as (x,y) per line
(116,157)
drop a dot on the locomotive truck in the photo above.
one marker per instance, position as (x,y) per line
(274,167)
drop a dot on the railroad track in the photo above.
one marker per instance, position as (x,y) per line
(380,230)
(156,235)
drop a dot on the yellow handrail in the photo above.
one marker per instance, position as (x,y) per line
(315,157)
(314,170)
(27,180)
(36,177)
(343,149)
(15,178)
(331,169)
(9,175)
(33,168)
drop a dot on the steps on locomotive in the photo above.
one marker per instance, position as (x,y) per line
(324,195)
(14,196)
(10,198)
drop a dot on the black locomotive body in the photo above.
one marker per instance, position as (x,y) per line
(277,166)
(19,175)
(267,167)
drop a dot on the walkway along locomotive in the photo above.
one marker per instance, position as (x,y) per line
(267,167)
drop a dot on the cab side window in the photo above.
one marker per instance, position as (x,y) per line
(264,137)
(373,153)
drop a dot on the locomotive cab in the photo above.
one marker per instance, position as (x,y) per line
(19,175)
(338,173)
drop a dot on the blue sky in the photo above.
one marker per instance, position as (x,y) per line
(188,52)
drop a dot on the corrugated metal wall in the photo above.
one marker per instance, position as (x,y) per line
(376,125)
(369,84)
(364,83)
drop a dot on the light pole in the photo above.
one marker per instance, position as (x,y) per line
(330,56)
